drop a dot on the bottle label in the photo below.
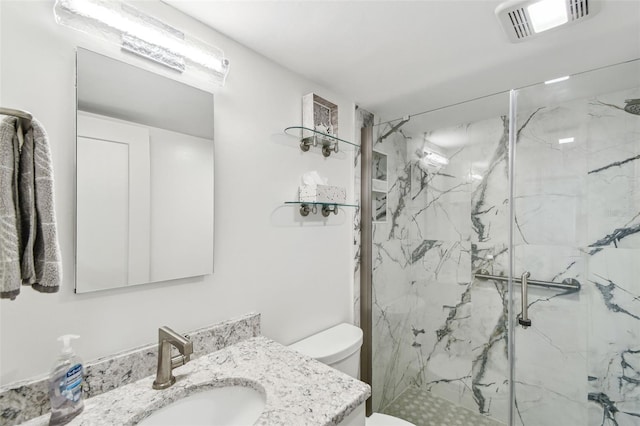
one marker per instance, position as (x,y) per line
(71,385)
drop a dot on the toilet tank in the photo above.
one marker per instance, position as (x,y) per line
(338,347)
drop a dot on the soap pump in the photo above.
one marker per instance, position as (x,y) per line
(65,384)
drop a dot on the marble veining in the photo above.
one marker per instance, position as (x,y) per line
(616,164)
(26,400)
(298,389)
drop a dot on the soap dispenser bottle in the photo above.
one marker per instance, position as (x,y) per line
(65,384)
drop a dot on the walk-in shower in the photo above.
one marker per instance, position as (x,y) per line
(539,200)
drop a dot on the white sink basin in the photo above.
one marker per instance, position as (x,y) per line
(225,406)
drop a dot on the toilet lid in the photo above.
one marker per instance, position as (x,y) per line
(332,345)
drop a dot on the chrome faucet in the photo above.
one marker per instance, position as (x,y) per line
(166,363)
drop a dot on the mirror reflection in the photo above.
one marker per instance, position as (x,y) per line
(144,176)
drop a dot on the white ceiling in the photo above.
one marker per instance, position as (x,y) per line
(402,57)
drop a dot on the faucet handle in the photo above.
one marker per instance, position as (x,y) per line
(188,349)
(188,346)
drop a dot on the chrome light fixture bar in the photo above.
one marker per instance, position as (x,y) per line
(133,30)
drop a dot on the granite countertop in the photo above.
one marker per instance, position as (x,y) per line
(299,390)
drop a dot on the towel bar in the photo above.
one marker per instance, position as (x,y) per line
(24,116)
(566,284)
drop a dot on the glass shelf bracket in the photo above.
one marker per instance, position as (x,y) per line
(326,209)
(309,137)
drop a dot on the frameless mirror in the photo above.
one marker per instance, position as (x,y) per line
(144,182)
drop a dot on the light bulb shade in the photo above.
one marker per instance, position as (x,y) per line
(547,14)
(133,30)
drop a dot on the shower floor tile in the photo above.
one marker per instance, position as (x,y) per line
(422,408)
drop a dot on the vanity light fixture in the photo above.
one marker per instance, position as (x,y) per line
(525,19)
(134,31)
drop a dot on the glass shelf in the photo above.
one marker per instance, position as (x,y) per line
(326,208)
(309,137)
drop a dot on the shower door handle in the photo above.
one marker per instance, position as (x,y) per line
(524,320)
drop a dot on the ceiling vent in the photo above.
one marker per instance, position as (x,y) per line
(525,19)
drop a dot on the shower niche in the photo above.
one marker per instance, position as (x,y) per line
(379,186)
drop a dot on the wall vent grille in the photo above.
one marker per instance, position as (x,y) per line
(520,23)
(578,9)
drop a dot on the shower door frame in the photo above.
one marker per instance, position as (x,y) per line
(366,261)
(511,348)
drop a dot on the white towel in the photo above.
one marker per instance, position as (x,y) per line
(41,263)
(9,216)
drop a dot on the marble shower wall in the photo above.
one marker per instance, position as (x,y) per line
(577,216)
(427,330)
(392,288)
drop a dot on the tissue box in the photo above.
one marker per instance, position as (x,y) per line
(323,194)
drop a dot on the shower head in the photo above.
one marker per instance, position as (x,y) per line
(633,106)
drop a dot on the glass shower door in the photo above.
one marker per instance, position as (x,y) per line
(576,219)
(439,335)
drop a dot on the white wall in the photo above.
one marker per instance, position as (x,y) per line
(297,273)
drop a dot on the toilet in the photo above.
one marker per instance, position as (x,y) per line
(339,347)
